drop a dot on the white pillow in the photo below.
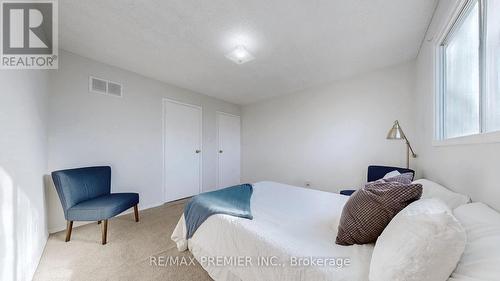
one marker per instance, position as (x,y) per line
(435,190)
(481,258)
(423,242)
(391,174)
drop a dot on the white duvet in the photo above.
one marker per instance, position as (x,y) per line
(290,225)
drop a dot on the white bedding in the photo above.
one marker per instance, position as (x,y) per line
(289,223)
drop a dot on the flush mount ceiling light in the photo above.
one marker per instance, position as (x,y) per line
(240,55)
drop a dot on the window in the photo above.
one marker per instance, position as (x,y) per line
(468,100)
(492,103)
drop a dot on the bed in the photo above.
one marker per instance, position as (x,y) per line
(291,237)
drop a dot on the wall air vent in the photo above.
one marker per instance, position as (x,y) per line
(101,86)
(114,89)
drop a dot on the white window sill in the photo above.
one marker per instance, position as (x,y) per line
(492,137)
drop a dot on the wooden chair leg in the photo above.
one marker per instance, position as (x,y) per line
(69,227)
(104,231)
(136,213)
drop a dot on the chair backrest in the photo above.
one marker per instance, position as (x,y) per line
(76,185)
(378,172)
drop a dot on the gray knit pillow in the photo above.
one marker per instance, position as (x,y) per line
(370,209)
(405,178)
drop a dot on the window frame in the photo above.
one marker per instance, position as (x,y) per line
(456,20)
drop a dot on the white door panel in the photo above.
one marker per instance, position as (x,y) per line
(182,150)
(229,150)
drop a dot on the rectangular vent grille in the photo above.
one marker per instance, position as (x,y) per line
(101,86)
(114,89)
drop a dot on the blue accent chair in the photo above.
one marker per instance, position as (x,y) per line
(85,195)
(376,173)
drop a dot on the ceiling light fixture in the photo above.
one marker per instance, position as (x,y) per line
(240,55)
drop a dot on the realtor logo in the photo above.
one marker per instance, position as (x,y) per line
(29,35)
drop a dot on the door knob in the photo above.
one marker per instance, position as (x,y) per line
(198,151)
(220,151)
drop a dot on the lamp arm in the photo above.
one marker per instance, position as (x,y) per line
(411,149)
(408,143)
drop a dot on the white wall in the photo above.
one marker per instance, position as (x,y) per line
(329,135)
(23,162)
(126,133)
(471,169)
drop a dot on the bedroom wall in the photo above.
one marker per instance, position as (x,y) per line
(23,162)
(330,134)
(126,133)
(467,168)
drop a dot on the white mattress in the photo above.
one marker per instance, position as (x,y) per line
(289,223)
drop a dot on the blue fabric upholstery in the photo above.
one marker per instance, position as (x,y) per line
(347,192)
(102,207)
(85,194)
(378,172)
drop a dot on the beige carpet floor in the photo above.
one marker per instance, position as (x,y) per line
(127,254)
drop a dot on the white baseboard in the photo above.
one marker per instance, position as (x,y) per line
(80,223)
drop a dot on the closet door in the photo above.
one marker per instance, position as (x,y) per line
(228,133)
(182,149)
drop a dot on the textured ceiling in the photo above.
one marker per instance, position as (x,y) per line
(297,44)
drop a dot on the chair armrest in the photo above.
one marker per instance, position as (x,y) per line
(347,192)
